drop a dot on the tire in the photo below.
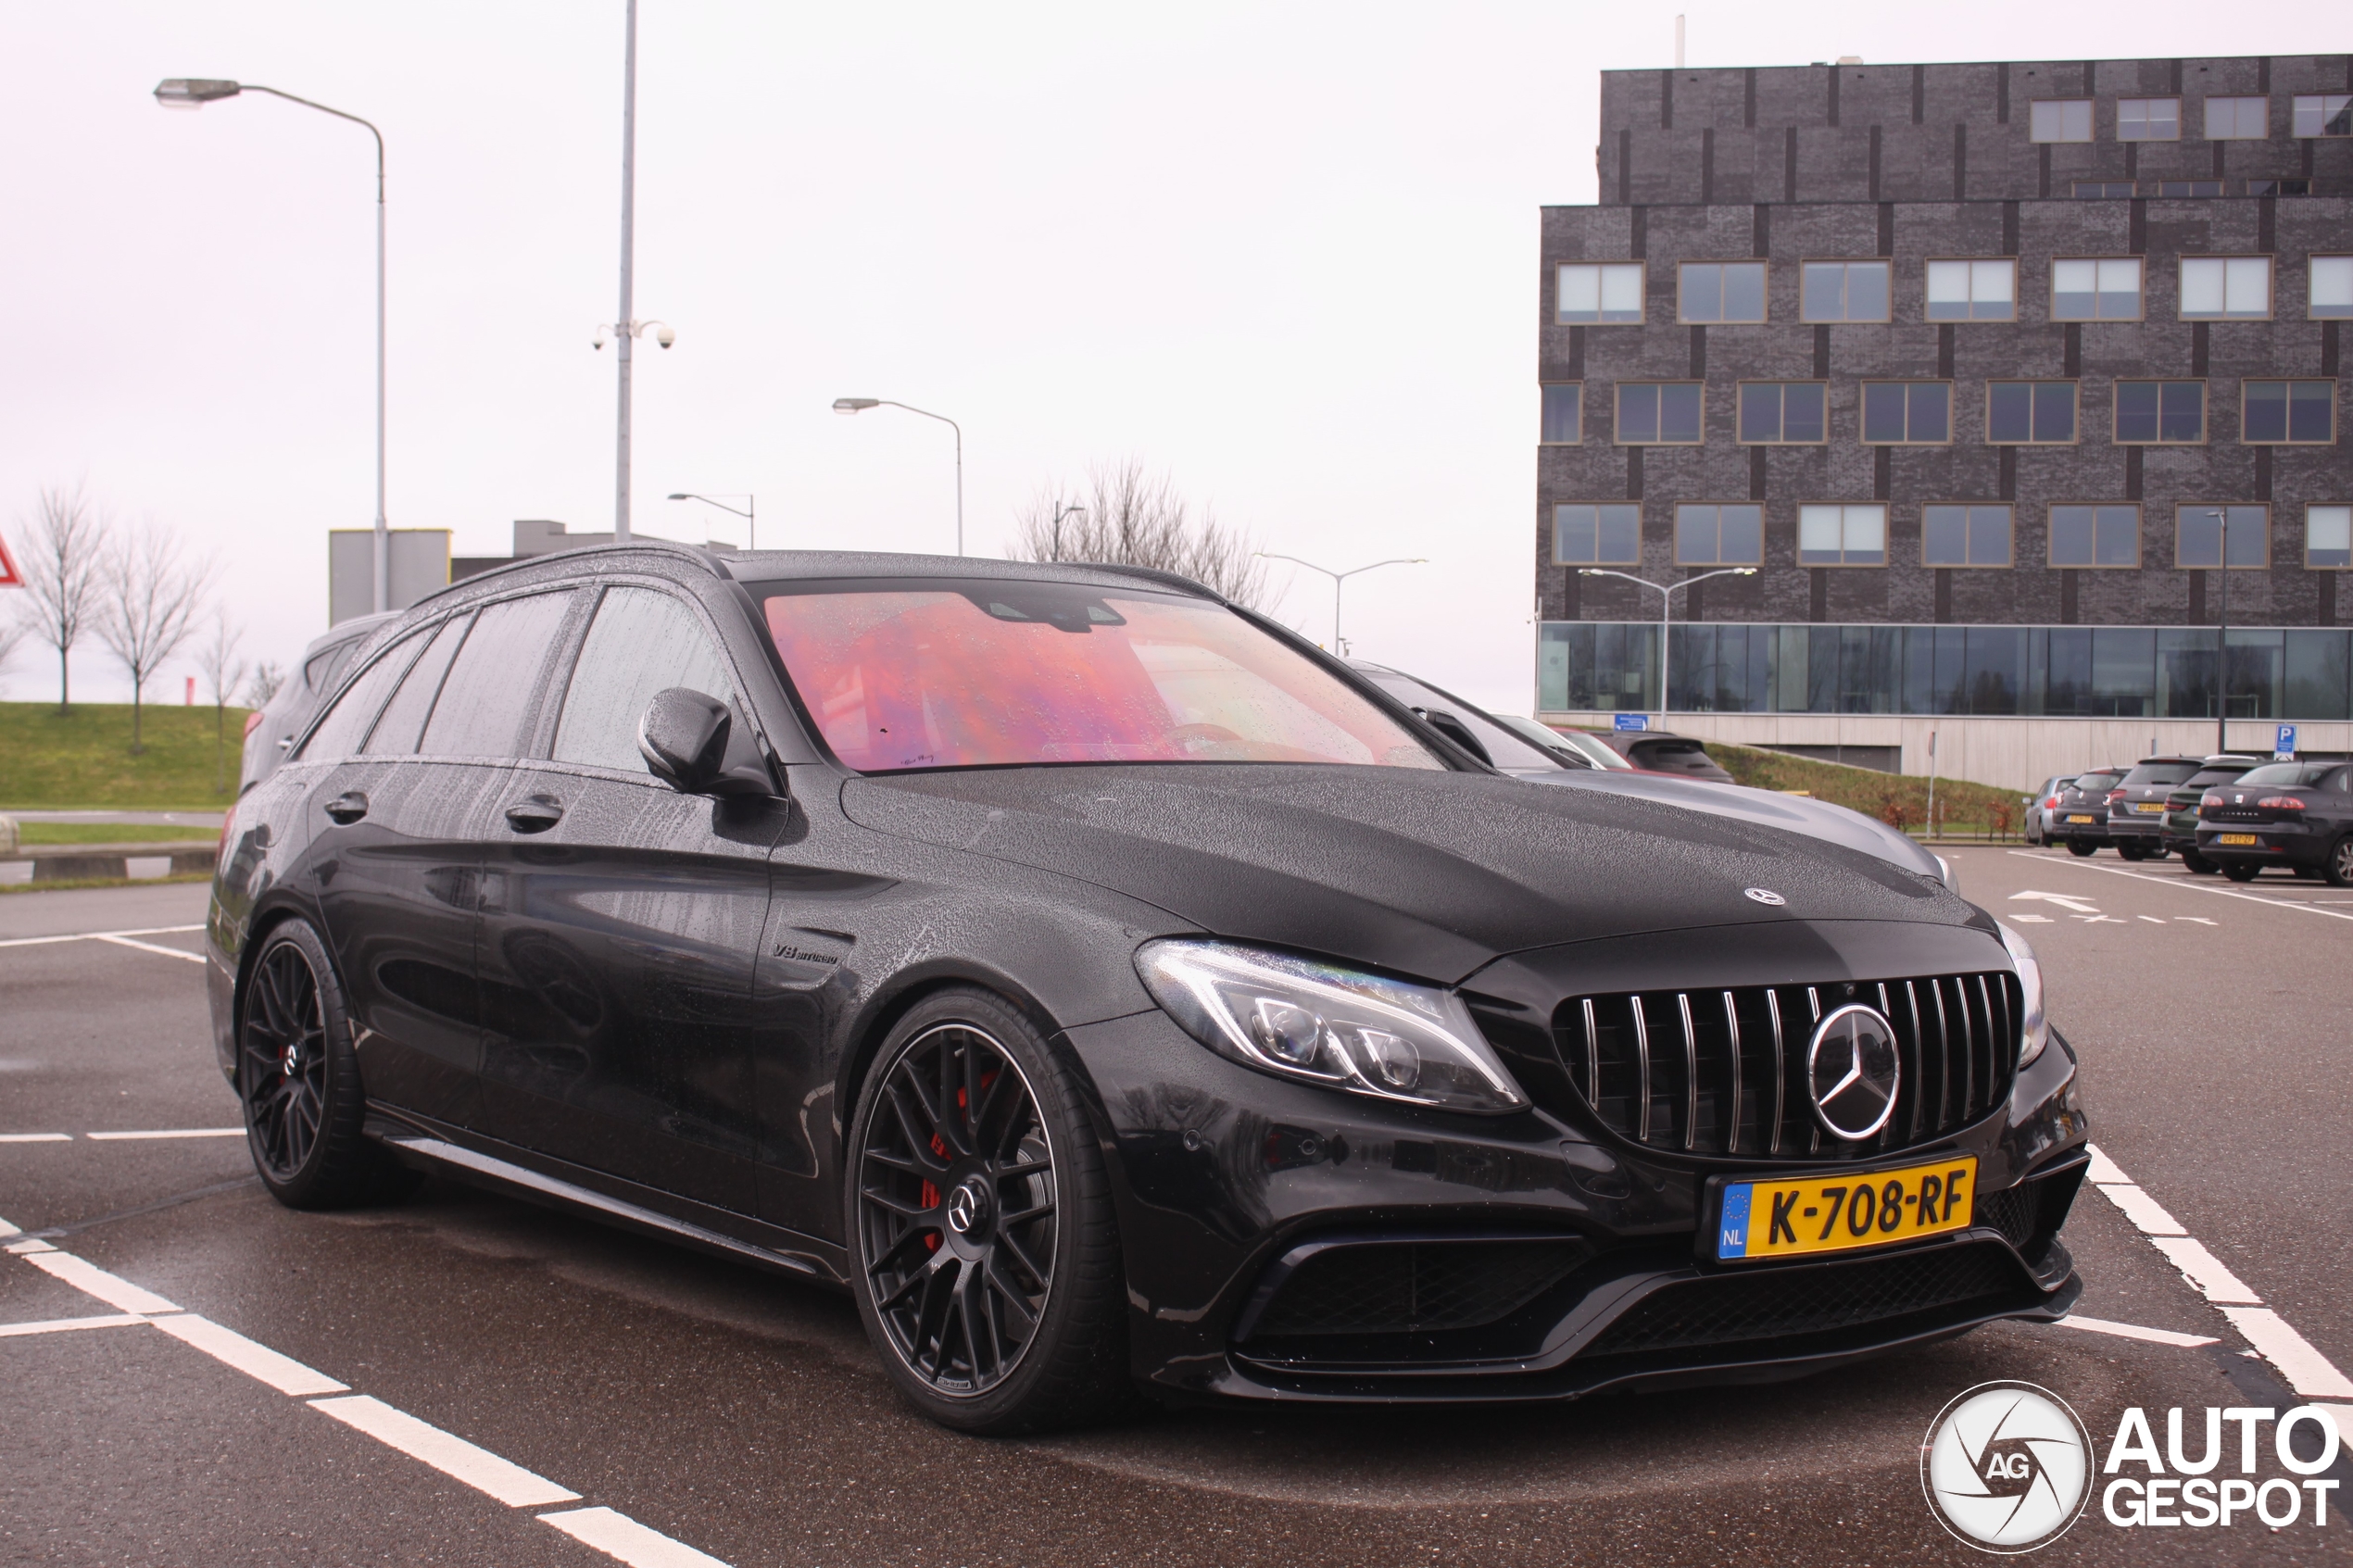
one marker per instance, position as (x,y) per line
(2078,847)
(2338,866)
(299,1080)
(2239,871)
(943,1273)
(2131,852)
(2194,863)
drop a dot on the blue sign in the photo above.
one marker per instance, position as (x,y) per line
(2286,750)
(1642,721)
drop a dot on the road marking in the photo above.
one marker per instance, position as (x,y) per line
(2186,886)
(151,947)
(2067,901)
(100,935)
(170,1132)
(617,1535)
(2199,920)
(91,1279)
(2307,1371)
(256,1361)
(446,1452)
(2144,1211)
(63,1326)
(2151,919)
(2134,1331)
(2030,920)
(36,1138)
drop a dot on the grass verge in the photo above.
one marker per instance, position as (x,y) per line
(6,888)
(1963,809)
(83,758)
(110,833)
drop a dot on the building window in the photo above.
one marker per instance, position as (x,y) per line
(1965,536)
(1721,291)
(1898,413)
(1845,290)
(2030,413)
(1719,535)
(2226,288)
(2325,114)
(1654,413)
(1605,292)
(1784,413)
(2160,413)
(2238,120)
(2095,535)
(1972,290)
(2096,189)
(2149,120)
(1564,413)
(2289,413)
(2185,188)
(2062,119)
(2104,290)
(2328,537)
(1842,536)
(1598,533)
(2279,187)
(2331,288)
(2197,536)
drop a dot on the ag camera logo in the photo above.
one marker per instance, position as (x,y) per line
(2007,1467)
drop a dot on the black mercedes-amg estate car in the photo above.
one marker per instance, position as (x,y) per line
(1114,993)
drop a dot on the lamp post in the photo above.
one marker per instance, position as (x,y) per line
(1060,513)
(627,329)
(1340,649)
(751,537)
(860,404)
(2221,515)
(193,93)
(1666,592)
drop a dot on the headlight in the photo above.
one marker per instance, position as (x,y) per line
(1338,1027)
(2036,1032)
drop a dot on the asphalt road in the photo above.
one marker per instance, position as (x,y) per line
(726,1413)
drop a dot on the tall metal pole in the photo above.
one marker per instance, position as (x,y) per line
(383,530)
(627,319)
(960,484)
(2223,642)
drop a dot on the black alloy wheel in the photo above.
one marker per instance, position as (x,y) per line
(2339,865)
(986,1260)
(299,1080)
(2078,847)
(2241,871)
(2194,863)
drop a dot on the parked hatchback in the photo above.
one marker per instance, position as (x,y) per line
(2136,805)
(2180,806)
(2040,807)
(1663,753)
(2294,814)
(272,729)
(2080,821)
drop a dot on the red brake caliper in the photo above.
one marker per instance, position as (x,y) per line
(929,1197)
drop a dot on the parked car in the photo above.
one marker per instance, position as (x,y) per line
(272,729)
(2040,804)
(2180,806)
(1663,753)
(2136,805)
(1575,743)
(1105,989)
(2294,814)
(2080,821)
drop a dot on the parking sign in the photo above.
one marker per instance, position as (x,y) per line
(2286,750)
(1632,721)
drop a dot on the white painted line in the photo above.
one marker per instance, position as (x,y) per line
(2017,919)
(453,1456)
(617,1535)
(2194,920)
(8,1229)
(2205,1270)
(30,1244)
(151,947)
(2146,1214)
(61,1326)
(257,1362)
(115,1292)
(2151,919)
(2186,887)
(2134,1331)
(2307,1371)
(2067,901)
(36,1138)
(98,936)
(2104,1170)
(170,1132)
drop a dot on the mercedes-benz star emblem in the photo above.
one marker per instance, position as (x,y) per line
(1854,1072)
(964,1207)
(1765,896)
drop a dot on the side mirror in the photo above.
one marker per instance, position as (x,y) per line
(692,743)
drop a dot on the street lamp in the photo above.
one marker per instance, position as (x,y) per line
(752,525)
(1665,605)
(1060,513)
(627,329)
(195,93)
(860,404)
(1340,649)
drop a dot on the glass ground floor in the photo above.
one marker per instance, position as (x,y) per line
(2025,671)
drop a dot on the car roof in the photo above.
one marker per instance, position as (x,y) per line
(2229,758)
(2187,761)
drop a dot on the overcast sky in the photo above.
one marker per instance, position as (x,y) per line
(1286,253)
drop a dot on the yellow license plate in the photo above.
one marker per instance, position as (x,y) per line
(2083,818)
(2137,807)
(1844,1213)
(2246,839)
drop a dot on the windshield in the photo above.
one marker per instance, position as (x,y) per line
(2286,773)
(2152,774)
(1504,749)
(903,674)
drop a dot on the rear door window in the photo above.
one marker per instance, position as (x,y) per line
(642,642)
(492,687)
(340,732)
(404,717)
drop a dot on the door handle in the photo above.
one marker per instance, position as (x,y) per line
(536,814)
(349,807)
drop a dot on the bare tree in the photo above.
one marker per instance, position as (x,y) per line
(1127,517)
(12,636)
(223,672)
(150,595)
(66,553)
(267,676)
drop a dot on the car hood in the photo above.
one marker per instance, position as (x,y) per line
(1427,874)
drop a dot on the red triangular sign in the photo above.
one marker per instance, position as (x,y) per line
(9,576)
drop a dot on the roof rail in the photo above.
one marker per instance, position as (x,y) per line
(695,553)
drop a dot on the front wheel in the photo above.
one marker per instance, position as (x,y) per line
(986,1261)
(2078,848)
(2241,871)
(2339,864)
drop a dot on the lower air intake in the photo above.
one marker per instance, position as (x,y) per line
(1404,1287)
(1735,1309)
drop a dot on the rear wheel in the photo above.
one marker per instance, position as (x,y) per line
(2194,861)
(2339,864)
(2078,847)
(2241,871)
(2132,851)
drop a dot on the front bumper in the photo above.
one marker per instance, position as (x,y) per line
(1226,1180)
